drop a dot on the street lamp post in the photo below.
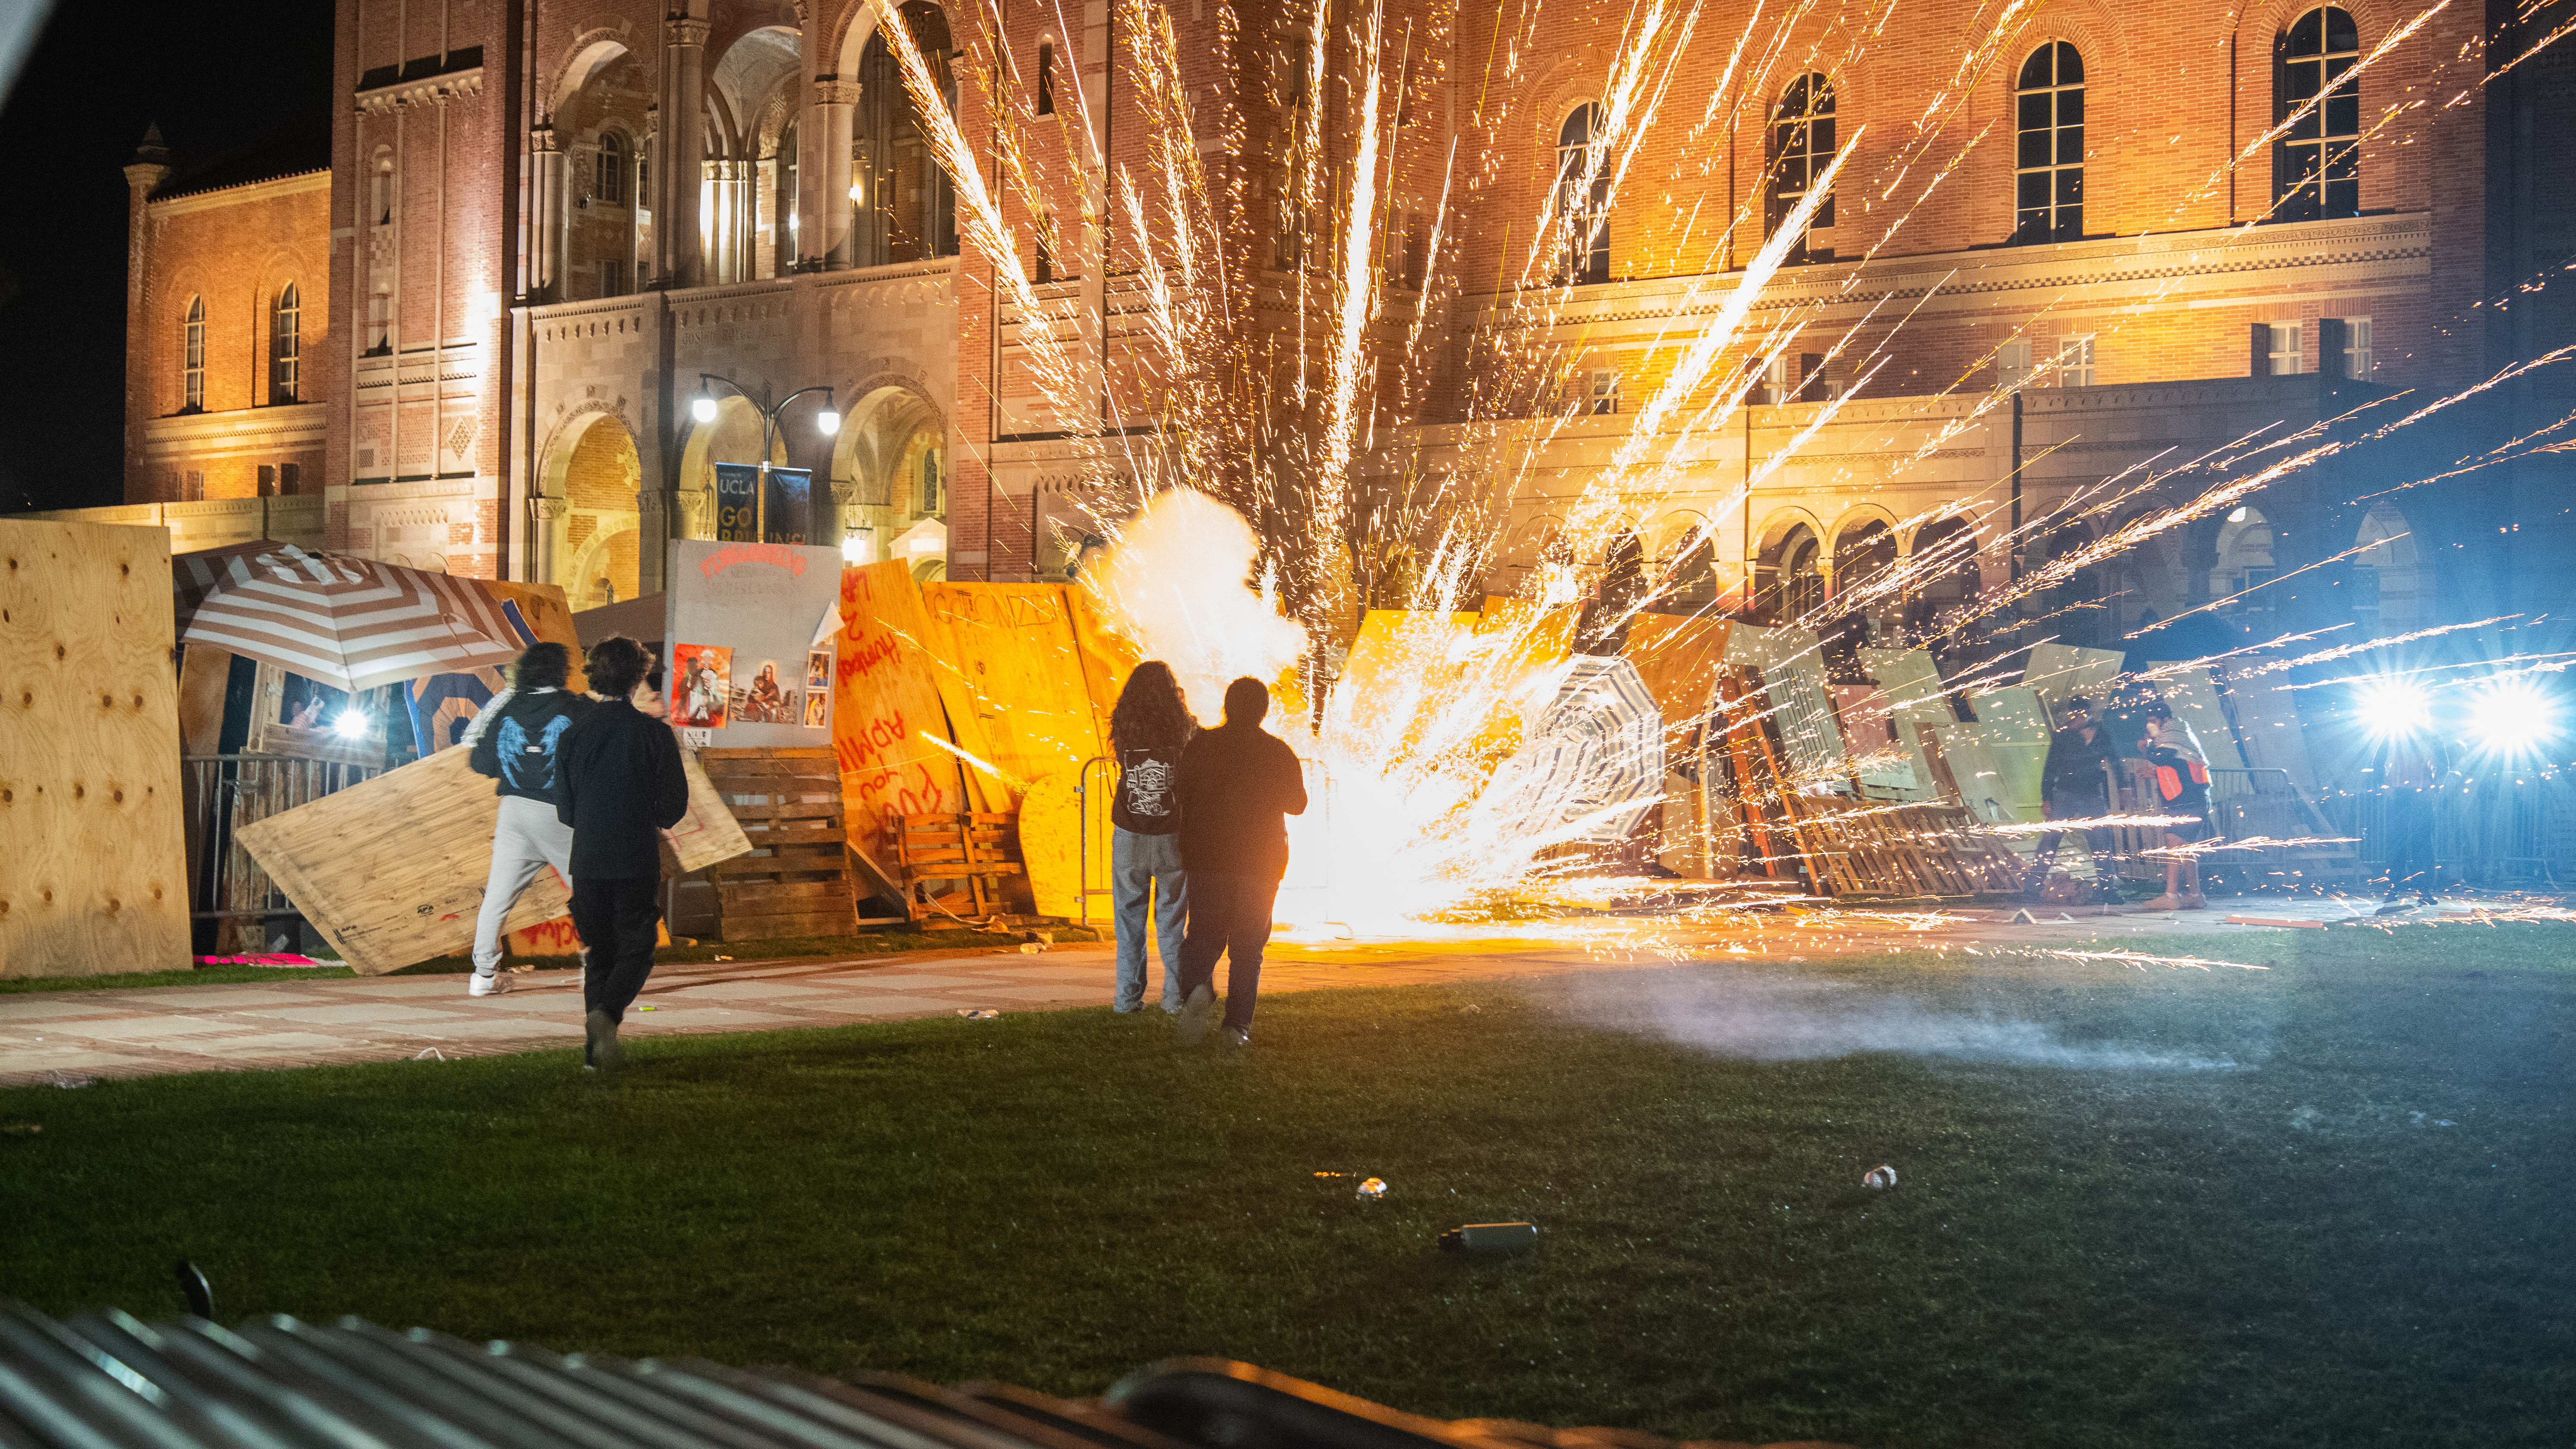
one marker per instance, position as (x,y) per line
(827,422)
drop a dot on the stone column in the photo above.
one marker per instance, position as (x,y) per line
(151,167)
(823,170)
(546,197)
(683,136)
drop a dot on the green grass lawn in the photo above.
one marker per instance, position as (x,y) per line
(2313,1205)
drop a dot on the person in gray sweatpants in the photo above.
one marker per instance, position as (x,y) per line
(513,743)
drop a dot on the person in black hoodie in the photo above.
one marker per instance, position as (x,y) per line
(514,742)
(2074,786)
(618,784)
(1237,785)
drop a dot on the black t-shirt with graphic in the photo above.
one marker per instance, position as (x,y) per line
(1148,800)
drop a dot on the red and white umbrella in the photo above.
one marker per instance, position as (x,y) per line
(346,621)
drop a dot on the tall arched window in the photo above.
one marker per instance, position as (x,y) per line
(2048,151)
(286,348)
(192,357)
(1801,146)
(1583,194)
(609,187)
(2316,165)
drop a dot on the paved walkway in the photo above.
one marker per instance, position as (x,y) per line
(78,1036)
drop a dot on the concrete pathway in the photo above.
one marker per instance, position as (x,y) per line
(78,1036)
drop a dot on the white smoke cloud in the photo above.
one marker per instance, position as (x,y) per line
(1178,583)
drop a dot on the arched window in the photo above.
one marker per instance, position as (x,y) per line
(609,187)
(1801,146)
(2048,151)
(380,258)
(1046,77)
(192,357)
(2316,165)
(1789,579)
(286,348)
(1583,194)
(929,483)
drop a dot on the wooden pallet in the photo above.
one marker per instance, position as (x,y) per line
(978,850)
(796,880)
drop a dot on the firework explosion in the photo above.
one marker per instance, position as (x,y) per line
(1263,472)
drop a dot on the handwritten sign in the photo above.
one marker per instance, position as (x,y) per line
(884,695)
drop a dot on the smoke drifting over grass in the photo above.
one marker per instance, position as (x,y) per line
(1768,1018)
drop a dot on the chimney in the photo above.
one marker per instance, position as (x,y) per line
(150,167)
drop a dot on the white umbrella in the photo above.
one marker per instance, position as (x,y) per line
(346,621)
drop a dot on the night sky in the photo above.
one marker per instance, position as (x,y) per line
(240,91)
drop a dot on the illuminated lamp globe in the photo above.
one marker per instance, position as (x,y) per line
(703,408)
(351,725)
(828,422)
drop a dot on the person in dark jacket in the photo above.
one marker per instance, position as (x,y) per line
(514,741)
(1238,785)
(1148,731)
(618,784)
(2073,786)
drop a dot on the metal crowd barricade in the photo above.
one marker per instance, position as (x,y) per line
(227,792)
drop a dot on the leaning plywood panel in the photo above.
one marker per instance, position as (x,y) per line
(2267,725)
(391,872)
(2060,671)
(1018,670)
(888,726)
(93,863)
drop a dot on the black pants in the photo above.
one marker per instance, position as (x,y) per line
(2098,837)
(617,917)
(1229,917)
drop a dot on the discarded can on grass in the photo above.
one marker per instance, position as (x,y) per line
(1490,1238)
(1373,1188)
(977,1013)
(1879,1177)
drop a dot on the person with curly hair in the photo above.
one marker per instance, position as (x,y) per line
(619,784)
(1147,731)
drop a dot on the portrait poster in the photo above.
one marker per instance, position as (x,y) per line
(701,686)
(765,698)
(818,669)
(818,708)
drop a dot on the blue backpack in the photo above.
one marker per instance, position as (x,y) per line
(526,766)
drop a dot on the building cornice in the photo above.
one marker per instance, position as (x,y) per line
(291,427)
(429,90)
(182,203)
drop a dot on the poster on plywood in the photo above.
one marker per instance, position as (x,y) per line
(752,605)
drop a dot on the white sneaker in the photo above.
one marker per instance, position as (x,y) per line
(487,984)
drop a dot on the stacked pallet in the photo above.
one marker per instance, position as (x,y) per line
(796,879)
(977,851)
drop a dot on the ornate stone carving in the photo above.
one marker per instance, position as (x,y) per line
(683,30)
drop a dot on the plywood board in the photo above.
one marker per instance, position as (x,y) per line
(1678,656)
(2267,725)
(1052,837)
(1908,697)
(1017,669)
(2057,671)
(1793,674)
(886,710)
(1402,669)
(761,601)
(93,855)
(391,871)
(2010,744)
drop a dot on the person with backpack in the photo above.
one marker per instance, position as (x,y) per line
(1238,783)
(2076,785)
(2182,788)
(1147,732)
(514,741)
(619,784)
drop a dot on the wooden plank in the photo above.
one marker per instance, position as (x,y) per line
(791,810)
(781,928)
(93,856)
(391,871)
(774,838)
(753,891)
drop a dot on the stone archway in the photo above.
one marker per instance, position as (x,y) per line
(594,539)
(890,466)
(734,437)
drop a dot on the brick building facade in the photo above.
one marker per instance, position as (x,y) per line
(2058,256)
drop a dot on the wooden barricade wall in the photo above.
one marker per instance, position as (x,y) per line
(795,879)
(391,872)
(93,856)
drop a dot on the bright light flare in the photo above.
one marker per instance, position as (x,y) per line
(2511,716)
(351,725)
(703,408)
(2394,709)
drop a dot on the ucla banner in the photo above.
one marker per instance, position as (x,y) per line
(791,504)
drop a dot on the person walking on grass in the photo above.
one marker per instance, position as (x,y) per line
(1148,732)
(2073,786)
(2182,785)
(1238,785)
(618,784)
(514,741)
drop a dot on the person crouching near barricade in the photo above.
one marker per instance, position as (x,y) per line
(1147,731)
(514,741)
(618,784)
(2074,786)
(2182,788)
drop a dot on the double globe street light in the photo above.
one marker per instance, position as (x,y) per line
(704,409)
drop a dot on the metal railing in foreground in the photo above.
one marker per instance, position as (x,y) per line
(107,1381)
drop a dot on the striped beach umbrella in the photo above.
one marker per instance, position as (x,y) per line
(346,621)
